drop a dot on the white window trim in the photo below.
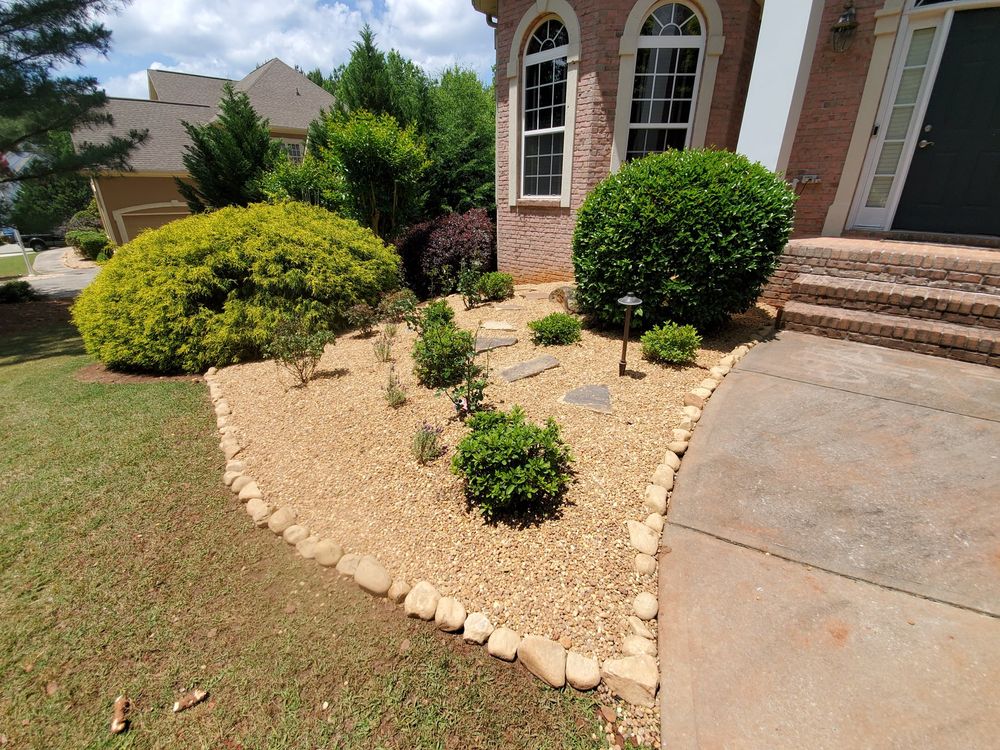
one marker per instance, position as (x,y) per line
(710,16)
(175,208)
(539,11)
(534,59)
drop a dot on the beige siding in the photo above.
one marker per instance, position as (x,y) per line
(136,202)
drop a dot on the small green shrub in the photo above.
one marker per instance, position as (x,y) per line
(17,291)
(495,286)
(395,394)
(440,355)
(427,444)
(470,393)
(477,287)
(694,233)
(555,329)
(510,465)
(297,348)
(210,289)
(437,313)
(395,307)
(671,343)
(383,347)
(363,317)
(90,242)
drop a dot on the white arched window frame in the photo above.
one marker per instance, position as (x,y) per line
(709,44)
(543,110)
(539,11)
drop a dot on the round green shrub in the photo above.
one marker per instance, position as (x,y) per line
(495,286)
(211,288)
(554,329)
(441,353)
(670,343)
(694,233)
(510,465)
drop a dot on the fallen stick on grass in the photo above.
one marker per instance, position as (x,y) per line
(190,699)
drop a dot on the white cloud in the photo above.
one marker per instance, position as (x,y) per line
(230,37)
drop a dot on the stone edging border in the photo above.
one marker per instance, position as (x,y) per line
(634,677)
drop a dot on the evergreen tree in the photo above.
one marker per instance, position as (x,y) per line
(46,203)
(364,81)
(461,142)
(226,158)
(38,37)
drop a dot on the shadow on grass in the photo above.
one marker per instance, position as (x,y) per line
(51,340)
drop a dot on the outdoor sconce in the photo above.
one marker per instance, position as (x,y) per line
(842,32)
(628,302)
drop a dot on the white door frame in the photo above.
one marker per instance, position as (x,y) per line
(938,16)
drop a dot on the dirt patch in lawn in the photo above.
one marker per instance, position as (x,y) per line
(342,458)
(98,373)
(23,316)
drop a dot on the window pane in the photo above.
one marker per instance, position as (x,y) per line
(920,47)
(663,87)
(687,61)
(643,87)
(558,116)
(675,138)
(531,120)
(674,19)
(659,111)
(684,87)
(532,75)
(531,186)
(640,112)
(544,119)
(888,160)
(680,112)
(879,194)
(644,61)
(666,60)
(909,86)
(899,122)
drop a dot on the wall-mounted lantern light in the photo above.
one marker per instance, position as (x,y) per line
(842,32)
(629,301)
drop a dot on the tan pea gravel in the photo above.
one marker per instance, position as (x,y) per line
(341,457)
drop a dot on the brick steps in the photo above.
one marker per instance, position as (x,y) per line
(966,343)
(908,300)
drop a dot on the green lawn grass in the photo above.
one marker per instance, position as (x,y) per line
(126,566)
(13,265)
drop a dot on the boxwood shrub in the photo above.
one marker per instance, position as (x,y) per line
(671,343)
(510,465)
(694,233)
(555,329)
(441,354)
(211,288)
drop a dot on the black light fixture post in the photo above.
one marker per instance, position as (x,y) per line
(629,301)
(842,32)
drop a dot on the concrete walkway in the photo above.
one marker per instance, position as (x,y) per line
(831,575)
(54,279)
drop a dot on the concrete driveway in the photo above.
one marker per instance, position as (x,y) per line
(54,279)
(833,573)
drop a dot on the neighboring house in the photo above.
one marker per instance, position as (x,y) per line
(147,196)
(883,114)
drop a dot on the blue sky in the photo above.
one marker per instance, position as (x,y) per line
(230,37)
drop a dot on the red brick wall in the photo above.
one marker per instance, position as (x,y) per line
(830,107)
(533,242)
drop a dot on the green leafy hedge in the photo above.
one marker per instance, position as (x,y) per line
(694,233)
(90,242)
(555,329)
(671,343)
(211,288)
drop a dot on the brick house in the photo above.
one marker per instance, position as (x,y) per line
(766,79)
(884,115)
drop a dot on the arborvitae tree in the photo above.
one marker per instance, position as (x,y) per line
(364,81)
(227,157)
(38,37)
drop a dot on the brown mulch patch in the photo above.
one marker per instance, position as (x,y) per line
(98,373)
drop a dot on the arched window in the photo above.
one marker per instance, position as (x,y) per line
(667,70)
(544,123)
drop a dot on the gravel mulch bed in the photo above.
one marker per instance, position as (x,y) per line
(341,457)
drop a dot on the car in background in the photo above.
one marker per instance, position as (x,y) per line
(36,242)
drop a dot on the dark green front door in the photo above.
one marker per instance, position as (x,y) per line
(953,183)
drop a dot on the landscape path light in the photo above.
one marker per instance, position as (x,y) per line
(629,301)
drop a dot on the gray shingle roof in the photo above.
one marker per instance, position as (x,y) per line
(185,88)
(163,149)
(282,95)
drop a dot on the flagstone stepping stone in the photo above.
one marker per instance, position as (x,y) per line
(593,397)
(536,295)
(529,368)
(498,325)
(508,307)
(486,343)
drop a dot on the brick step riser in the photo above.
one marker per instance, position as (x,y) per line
(899,335)
(937,273)
(976,314)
